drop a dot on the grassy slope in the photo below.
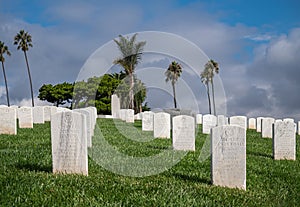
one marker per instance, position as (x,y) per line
(26,178)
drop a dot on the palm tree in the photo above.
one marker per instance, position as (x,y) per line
(207,76)
(23,40)
(131,55)
(172,74)
(4,50)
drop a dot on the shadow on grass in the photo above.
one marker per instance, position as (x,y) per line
(260,154)
(192,178)
(34,167)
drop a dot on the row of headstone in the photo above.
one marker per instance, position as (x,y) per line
(71,135)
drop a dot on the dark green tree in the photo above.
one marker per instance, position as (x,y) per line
(172,74)
(131,55)
(4,50)
(24,41)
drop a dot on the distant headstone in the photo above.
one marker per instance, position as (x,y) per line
(228,162)
(284,141)
(252,123)
(130,116)
(258,124)
(298,127)
(183,133)
(147,121)
(162,125)
(93,113)
(89,123)
(289,119)
(138,116)
(47,113)
(199,118)
(25,117)
(8,121)
(115,106)
(267,127)
(208,121)
(38,115)
(122,114)
(62,109)
(239,121)
(222,120)
(69,144)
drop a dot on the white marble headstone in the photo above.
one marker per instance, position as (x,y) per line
(130,116)
(284,141)
(69,143)
(208,121)
(228,162)
(89,123)
(258,124)
(252,123)
(267,127)
(115,106)
(38,115)
(222,120)
(162,125)
(8,120)
(147,121)
(239,121)
(199,118)
(122,114)
(183,133)
(25,117)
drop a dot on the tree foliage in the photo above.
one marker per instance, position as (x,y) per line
(172,74)
(4,50)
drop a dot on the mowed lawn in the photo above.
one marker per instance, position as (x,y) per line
(26,173)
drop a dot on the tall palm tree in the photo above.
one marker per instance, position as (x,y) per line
(207,76)
(172,74)
(205,80)
(4,50)
(24,41)
(131,55)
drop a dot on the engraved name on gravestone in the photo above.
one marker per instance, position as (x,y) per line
(252,123)
(267,127)
(162,125)
(208,121)
(183,133)
(25,117)
(38,115)
(130,116)
(258,124)
(8,120)
(284,141)
(239,121)
(69,143)
(147,121)
(199,118)
(228,162)
(115,106)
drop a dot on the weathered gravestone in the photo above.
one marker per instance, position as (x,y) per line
(252,123)
(222,120)
(258,124)
(239,121)
(267,127)
(183,133)
(129,116)
(162,125)
(89,123)
(25,117)
(38,115)
(199,118)
(208,121)
(8,120)
(115,106)
(69,143)
(284,140)
(147,121)
(228,161)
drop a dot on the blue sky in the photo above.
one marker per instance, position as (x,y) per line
(255,42)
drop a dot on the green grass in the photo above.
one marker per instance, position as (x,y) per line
(26,178)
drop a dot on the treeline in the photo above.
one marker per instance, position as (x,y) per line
(96,91)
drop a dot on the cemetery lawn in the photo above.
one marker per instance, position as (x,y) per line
(26,177)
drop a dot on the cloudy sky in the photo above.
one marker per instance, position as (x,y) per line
(256,43)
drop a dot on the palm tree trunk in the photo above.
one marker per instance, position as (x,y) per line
(7,96)
(30,81)
(208,95)
(131,95)
(213,96)
(174,95)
